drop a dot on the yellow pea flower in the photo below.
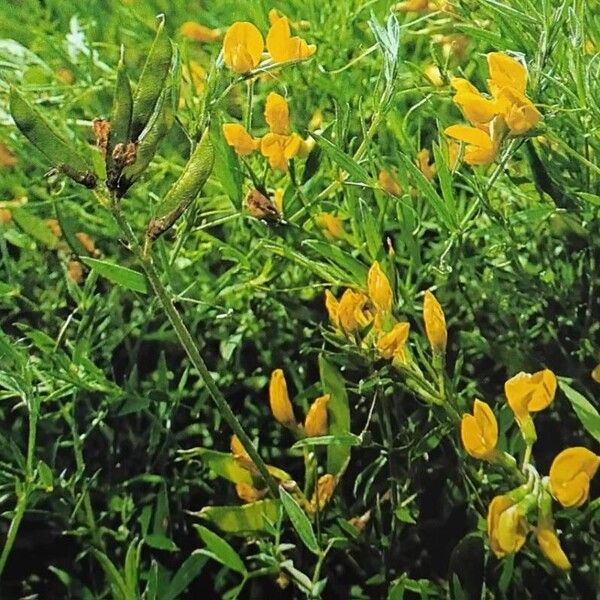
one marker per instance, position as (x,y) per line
(331,225)
(507,526)
(550,546)
(505,72)
(392,343)
(240,455)
(412,6)
(248,493)
(277,114)
(435,323)
(279,399)
(199,33)
(570,475)
(527,393)
(279,149)
(315,423)
(476,108)
(323,491)
(388,182)
(333,308)
(283,47)
(595,374)
(278,200)
(520,114)
(353,312)
(379,288)
(479,431)
(480,148)
(423,162)
(243,46)
(433,73)
(241,141)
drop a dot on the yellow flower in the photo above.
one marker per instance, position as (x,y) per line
(241,141)
(278,200)
(315,423)
(243,46)
(392,343)
(331,225)
(570,475)
(353,312)
(507,526)
(595,374)
(279,149)
(248,493)
(476,108)
(453,154)
(283,47)
(281,407)
(435,323)
(527,393)
(479,431)
(480,149)
(432,72)
(5,216)
(323,491)
(199,33)
(550,546)
(389,183)
(505,72)
(423,158)
(277,114)
(333,308)
(240,455)
(379,288)
(520,114)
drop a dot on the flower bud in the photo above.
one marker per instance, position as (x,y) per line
(316,418)
(380,291)
(570,475)
(435,323)
(479,431)
(281,407)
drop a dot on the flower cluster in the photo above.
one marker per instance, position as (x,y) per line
(568,481)
(507,112)
(243,44)
(279,145)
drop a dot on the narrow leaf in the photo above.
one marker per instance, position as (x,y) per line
(220,550)
(128,278)
(300,521)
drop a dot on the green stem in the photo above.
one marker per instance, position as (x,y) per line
(22,494)
(190,346)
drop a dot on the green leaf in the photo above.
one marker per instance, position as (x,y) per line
(115,578)
(242,519)
(132,561)
(338,412)
(220,550)
(329,440)
(128,278)
(224,465)
(189,570)
(161,542)
(585,411)
(347,163)
(34,227)
(300,522)
(69,228)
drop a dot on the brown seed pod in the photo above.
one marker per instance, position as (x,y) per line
(261,207)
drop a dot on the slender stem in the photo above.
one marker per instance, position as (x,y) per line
(23,493)
(527,456)
(249,98)
(190,346)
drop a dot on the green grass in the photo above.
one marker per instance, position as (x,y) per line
(101,409)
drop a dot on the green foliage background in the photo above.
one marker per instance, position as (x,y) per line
(515,265)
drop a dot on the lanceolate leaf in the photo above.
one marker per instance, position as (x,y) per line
(133,280)
(584,409)
(220,550)
(242,519)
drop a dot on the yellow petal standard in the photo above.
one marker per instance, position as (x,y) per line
(527,393)
(277,114)
(241,141)
(199,33)
(507,526)
(379,288)
(315,423)
(520,114)
(283,47)
(243,46)
(550,546)
(479,431)
(480,150)
(505,71)
(570,475)
(392,343)
(281,407)
(323,491)
(435,323)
